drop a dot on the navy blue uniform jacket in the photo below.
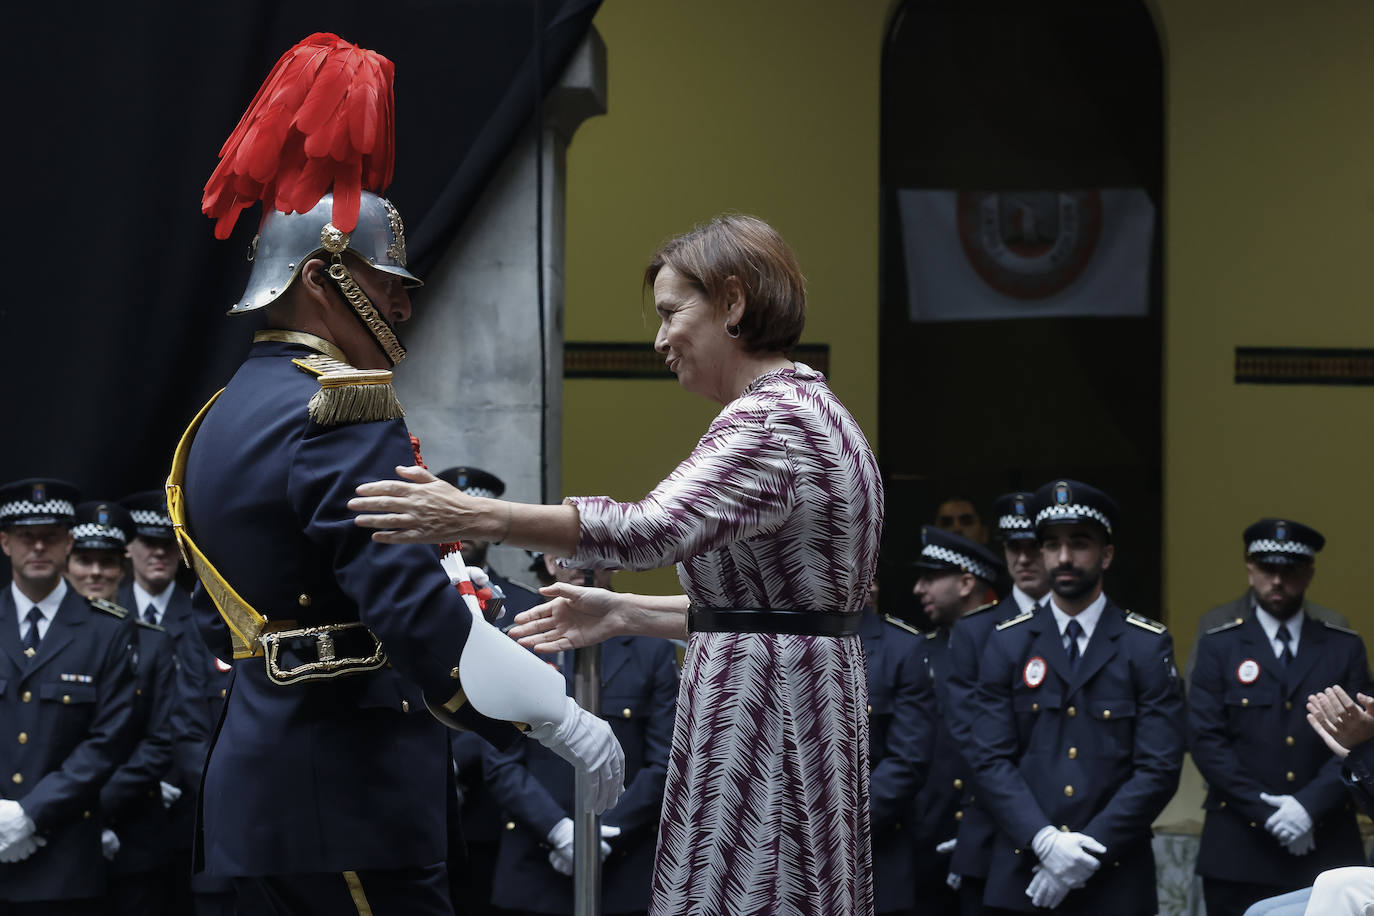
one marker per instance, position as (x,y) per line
(348,773)
(1095,748)
(535,787)
(901,742)
(69,708)
(1253,738)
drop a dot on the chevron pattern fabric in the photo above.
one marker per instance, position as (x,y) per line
(780,505)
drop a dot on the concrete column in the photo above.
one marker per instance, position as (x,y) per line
(474,386)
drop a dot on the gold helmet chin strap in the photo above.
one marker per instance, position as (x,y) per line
(335,242)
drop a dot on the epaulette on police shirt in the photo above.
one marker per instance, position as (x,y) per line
(1228,625)
(1145,623)
(349,395)
(109,607)
(1013,621)
(902,625)
(983,607)
(150,626)
(1338,628)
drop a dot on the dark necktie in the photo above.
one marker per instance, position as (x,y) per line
(1285,637)
(149,615)
(31,638)
(1073,631)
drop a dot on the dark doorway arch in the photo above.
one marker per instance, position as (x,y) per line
(1018,119)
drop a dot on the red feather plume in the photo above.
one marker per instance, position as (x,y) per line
(322,120)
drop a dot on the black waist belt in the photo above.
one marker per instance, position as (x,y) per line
(769,620)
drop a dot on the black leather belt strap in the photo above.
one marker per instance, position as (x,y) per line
(770,620)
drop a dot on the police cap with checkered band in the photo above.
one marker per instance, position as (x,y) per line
(1069,502)
(102,525)
(474,481)
(1276,540)
(149,512)
(1013,514)
(38,501)
(945,551)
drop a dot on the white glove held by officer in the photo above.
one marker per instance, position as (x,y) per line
(561,839)
(109,843)
(1290,821)
(1045,889)
(1066,856)
(587,742)
(953,881)
(1302,845)
(170,794)
(17,840)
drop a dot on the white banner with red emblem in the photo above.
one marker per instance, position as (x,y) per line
(986,255)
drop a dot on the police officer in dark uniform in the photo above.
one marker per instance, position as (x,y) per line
(135,838)
(1079,734)
(956,574)
(1277,813)
(901,745)
(1030,587)
(66,698)
(535,789)
(328,781)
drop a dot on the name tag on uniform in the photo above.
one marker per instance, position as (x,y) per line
(1034,675)
(1248,671)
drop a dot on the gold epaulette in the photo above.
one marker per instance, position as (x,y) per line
(349,395)
(902,625)
(1145,623)
(1013,621)
(983,607)
(1228,625)
(1338,628)
(108,606)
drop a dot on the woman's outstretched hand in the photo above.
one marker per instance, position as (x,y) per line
(418,509)
(574,617)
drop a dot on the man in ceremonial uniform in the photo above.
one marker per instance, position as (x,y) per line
(1079,735)
(135,838)
(1277,812)
(1030,585)
(66,697)
(956,574)
(328,782)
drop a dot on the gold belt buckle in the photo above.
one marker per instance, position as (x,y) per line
(329,664)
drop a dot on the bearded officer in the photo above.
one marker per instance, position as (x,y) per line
(66,701)
(956,574)
(1079,735)
(968,866)
(1277,812)
(327,785)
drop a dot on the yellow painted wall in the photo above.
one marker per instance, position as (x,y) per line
(1269,233)
(768,107)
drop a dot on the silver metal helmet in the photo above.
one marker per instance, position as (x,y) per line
(287,240)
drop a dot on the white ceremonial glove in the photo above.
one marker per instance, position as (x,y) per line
(587,742)
(1066,855)
(947,846)
(1045,889)
(1290,821)
(109,843)
(1302,845)
(17,838)
(953,881)
(561,839)
(170,794)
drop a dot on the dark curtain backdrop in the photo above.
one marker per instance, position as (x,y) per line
(112,325)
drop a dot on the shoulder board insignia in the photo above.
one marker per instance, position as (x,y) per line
(150,626)
(1145,623)
(1013,621)
(1228,625)
(932,634)
(983,607)
(349,395)
(903,625)
(1338,628)
(109,607)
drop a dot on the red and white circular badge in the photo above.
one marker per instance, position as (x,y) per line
(1034,675)
(1247,672)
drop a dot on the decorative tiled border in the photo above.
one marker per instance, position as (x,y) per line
(583,359)
(1304,366)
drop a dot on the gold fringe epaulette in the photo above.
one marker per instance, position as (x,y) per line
(1228,625)
(1145,623)
(902,625)
(109,607)
(1013,621)
(349,395)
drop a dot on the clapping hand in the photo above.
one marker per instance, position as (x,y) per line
(1342,723)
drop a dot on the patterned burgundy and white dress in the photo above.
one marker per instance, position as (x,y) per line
(779,506)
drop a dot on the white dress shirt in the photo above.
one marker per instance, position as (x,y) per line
(1271,625)
(48,607)
(159,602)
(1025,602)
(1087,619)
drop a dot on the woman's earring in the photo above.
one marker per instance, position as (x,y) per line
(732,330)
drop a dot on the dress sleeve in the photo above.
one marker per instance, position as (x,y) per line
(738,482)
